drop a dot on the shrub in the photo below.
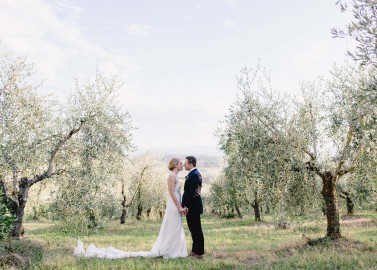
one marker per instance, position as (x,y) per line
(6,219)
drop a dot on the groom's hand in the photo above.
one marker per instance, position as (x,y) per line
(183,210)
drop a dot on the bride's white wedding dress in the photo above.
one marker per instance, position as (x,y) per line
(170,243)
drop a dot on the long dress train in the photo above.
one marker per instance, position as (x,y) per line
(170,243)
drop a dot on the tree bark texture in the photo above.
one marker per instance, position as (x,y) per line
(124,207)
(331,201)
(238,212)
(139,211)
(18,212)
(350,206)
(346,195)
(19,197)
(256,208)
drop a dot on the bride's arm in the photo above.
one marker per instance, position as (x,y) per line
(171,188)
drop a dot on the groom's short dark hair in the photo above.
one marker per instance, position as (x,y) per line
(191,160)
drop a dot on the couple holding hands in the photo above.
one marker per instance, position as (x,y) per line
(171,241)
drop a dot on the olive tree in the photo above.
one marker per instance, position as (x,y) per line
(319,134)
(362,29)
(255,140)
(144,184)
(40,140)
(336,135)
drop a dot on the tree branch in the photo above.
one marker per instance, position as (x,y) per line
(43,176)
(266,124)
(345,148)
(310,166)
(48,173)
(313,135)
(343,194)
(245,199)
(60,144)
(347,170)
(138,186)
(312,156)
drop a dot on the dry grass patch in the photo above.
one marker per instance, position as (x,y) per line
(293,250)
(254,258)
(14,261)
(341,244)
(351,217)
(249,258)
(20,254)
(358,222)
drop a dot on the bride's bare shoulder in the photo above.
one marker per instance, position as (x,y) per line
(172,176)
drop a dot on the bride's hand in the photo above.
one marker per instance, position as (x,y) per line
(183,210)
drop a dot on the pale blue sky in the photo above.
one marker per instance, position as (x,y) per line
(178,59)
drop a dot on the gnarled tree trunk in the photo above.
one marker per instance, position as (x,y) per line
(139,211)
(19,197)
(256,212)
(346,195)
(331,201)
(255,206)
(124,207)
(238,211)
(19,208)
(350,206)
(123,216)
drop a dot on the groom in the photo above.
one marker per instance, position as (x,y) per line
(193,202)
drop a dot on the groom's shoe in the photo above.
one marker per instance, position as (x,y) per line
(196,256)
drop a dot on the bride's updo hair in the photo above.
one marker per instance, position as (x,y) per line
(173,163)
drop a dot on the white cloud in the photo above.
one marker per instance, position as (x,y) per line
(74,11)
(51,37)
(138,29)
(230,24)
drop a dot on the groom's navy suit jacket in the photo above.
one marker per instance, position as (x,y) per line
(191,195)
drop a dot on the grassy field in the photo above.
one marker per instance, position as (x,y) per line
(230,244)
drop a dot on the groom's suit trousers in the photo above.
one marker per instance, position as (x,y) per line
(195,227)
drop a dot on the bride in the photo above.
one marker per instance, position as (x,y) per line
(171,241)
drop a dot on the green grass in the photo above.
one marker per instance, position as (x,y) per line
(230,244)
